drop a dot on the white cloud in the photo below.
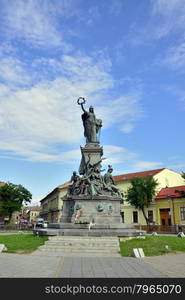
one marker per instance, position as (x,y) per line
(170,16)
(36,200)
(119,110)
(178,166)
(116,155)
(164,18)
(35,119)
(143,165)
(175,57)
(12,70)
(33,21)
(127,128)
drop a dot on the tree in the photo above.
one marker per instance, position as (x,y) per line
(12,197)
(183,175)
(181,191)
(141,193)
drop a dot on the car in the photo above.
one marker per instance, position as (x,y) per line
(2,224)
(42,224)
(45,224)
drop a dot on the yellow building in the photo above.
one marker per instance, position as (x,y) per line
(165,178)
(170,206)
(52,203)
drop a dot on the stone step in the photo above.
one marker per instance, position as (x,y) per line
(76,250)
(77,247)
(74,254)
(87,238)
(81,243)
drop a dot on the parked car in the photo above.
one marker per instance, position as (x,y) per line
(42,224)
(2,224)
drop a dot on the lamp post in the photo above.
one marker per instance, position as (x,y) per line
(171,205)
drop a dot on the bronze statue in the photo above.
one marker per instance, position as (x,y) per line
(91,124)
(74,189)
(109,182)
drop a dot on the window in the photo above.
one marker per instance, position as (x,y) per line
(123,217)
(135,217)
(182,212)
(150,216)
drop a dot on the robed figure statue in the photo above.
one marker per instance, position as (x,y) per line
(91,125)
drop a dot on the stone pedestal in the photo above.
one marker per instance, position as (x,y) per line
(91,155)
(96,209)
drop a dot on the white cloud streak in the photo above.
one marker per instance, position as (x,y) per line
(35,119)
(144,165)
(175,57)
(165,17)
(34,22)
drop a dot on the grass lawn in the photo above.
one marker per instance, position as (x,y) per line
(153,245)
(21,243)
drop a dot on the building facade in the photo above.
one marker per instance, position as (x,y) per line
(31,213)
(165,178)
(52,203)
(170,206)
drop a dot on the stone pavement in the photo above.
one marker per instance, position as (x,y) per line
(75,266)
(173,265)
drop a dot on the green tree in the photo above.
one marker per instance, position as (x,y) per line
(181,191)
(141,193)
(183,175)
(12,197)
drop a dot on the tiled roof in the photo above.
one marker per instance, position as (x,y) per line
(170,192)
(129,176)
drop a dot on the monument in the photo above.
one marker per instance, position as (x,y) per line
(92,204)
(92,197)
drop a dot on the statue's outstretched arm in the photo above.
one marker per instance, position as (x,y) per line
(83,108)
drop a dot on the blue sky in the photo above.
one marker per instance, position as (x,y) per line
(126,57)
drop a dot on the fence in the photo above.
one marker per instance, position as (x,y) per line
(162,228)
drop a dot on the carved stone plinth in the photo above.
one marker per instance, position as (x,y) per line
(91,156)
(96,209)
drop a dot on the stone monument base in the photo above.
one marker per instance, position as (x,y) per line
(90,216)
(99,209)
(68,229)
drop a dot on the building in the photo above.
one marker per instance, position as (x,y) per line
(52,203)
(31,213)
(170,206)
(165,178)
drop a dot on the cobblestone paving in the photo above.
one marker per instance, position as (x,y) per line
(173,265)
(17,265)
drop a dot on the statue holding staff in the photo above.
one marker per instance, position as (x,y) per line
(91,125)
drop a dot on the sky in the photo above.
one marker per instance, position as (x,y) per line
(125,57)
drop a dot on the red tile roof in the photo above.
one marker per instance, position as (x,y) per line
(170,192)
(139,174)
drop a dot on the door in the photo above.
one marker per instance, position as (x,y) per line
(165,218)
